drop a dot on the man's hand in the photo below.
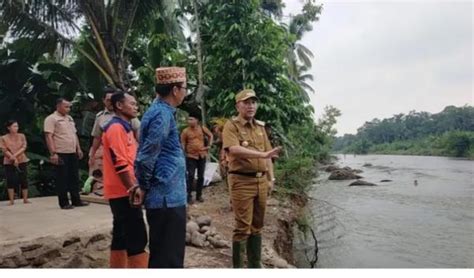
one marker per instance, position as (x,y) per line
(15,162)
(91,161)
(272,153)
(54,159)
(80,155)
(138,196)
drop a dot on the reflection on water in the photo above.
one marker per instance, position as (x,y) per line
(402,223)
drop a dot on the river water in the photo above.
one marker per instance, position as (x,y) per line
(397,224)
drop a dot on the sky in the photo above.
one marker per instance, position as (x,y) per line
(375,59)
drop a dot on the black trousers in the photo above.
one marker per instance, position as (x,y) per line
(167,237)
(67,179)
(129,230)
(191,166)
(17,176)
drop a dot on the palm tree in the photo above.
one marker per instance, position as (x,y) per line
(105,25)
(299,56)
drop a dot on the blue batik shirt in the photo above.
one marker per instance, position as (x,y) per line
(160,165)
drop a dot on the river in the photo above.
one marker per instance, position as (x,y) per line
(397,224)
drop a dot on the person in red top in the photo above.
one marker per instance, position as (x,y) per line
(129,236)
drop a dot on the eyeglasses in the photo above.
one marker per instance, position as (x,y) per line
(188,92)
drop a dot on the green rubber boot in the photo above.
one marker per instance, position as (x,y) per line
(238,251)
(254,251)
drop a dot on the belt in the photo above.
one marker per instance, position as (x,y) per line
(248,174)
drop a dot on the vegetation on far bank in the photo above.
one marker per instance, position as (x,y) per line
(448,133)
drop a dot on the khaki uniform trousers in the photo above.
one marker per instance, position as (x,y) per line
(249,200)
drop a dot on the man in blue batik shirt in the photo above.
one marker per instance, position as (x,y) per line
(160,168)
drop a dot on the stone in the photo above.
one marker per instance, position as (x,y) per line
(95,238)
(103,245)
(20,261)
(367,165)
(218,243)
(331,168)
(92,256)
(30,247)
(75,262)
(343,175)
(279,262)
(46,256)
(386,181)
(71,241)
(8,252)
(8,263)
(191,227)
(204,229)
(362,183)
(188,238)
(204,220)
(198,239)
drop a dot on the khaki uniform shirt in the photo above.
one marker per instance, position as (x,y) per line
(192,140)
(103,117)
(64,131)
(13,146)
(250,135)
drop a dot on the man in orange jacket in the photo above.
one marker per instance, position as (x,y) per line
(129,236)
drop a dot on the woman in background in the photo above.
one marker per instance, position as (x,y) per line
(15,161)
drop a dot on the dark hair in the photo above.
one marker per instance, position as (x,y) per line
(109,89)
(9,123)
(97,173)
(117,97)
(60,100)
(195,115)
(165,89)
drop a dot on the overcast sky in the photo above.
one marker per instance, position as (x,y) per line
(374,59)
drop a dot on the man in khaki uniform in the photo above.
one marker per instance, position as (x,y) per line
(250,177)
(64,148)
(102,118)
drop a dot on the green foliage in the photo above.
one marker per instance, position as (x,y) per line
(448,133)
(244,48)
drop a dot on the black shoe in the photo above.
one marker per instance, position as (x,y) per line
(82,204)
(67,207)
(200,199)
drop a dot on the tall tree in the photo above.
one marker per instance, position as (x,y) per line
(107,25)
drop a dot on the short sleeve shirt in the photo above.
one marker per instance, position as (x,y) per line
(64,131)
(103,117)
(193,141)
(250,135)
(13,147)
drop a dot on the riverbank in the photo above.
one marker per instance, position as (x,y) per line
(41,235)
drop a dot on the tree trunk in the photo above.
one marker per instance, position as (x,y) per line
(200,97)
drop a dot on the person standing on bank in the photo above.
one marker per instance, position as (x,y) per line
(129,236)
(13,145)
(250,177)
(65,150)
(95,152)
(196,140)
(160,168)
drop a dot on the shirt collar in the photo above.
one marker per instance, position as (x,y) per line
(124,123)
(244,121)
(173,109)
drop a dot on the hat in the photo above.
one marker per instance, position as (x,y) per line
(170,75)
(245,94)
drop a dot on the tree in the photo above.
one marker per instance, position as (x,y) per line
(245,48)
(105,25)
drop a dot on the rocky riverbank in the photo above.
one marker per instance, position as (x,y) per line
(209,233)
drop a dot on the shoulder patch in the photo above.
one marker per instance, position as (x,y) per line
(235,119)
(260,123)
